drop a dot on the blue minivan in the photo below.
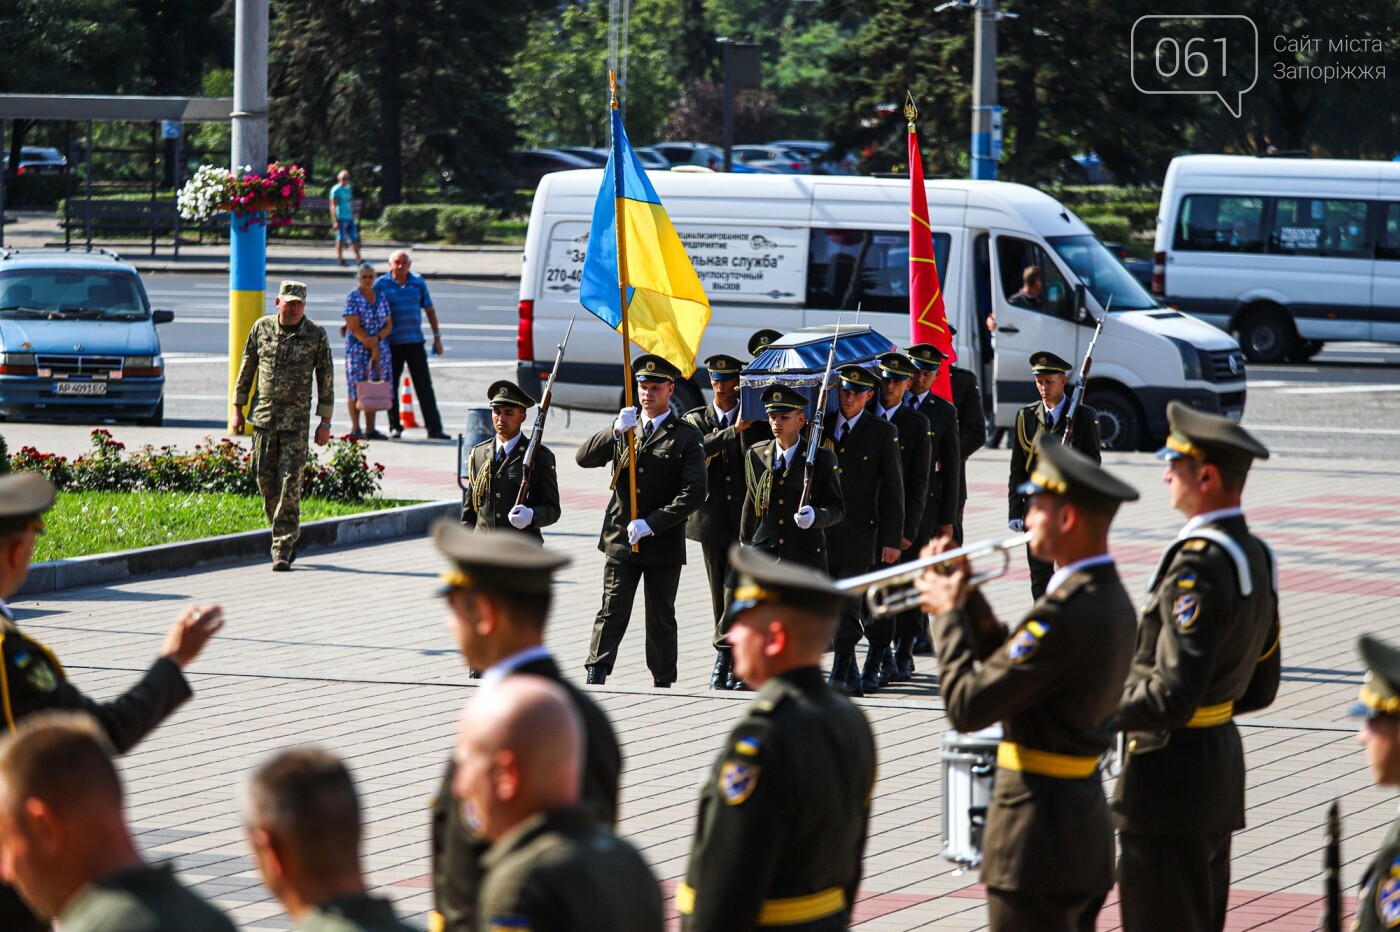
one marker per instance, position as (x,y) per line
(78,339)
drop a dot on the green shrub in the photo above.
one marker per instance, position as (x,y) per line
(465,223)
(36,190)
(411,222)
(4,456)
(1108,227)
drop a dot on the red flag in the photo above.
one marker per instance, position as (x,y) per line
(928,318)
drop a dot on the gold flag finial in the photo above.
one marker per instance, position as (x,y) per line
(612,87)
(911,112)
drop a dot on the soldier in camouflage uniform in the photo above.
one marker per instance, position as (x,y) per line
(284,352)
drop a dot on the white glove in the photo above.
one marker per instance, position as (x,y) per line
(521,516)
(1017,525)
(626,420)
(805,517)
(636,530)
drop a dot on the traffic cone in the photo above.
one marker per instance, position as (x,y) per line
(406,418)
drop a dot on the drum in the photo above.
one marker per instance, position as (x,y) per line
(969,764)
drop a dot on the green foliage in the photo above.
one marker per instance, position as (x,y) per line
(465,223)
(79,46)
(412,223)
(4,457)
(34,190)
(1109,228)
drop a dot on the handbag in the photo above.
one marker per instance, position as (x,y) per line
(374,395)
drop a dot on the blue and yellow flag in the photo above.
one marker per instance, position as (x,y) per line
(667,310)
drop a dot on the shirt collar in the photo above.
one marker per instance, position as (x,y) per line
(503,668)
(655,421)
(1065,572)
(849,422)
(1055,411)
(1209,517)
(886,413)
(509,445)
(919,399)
(724,416)
(783,457)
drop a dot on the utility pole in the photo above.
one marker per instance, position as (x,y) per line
(986,115)
(247,265)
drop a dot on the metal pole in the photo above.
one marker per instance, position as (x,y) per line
(4,176)
(247,267)
(87,209)
(176,176)
(728,104)
(984,91)
(155,179)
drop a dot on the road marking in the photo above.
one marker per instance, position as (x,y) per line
(1340,390)
(1294,429)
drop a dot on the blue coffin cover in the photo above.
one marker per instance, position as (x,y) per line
(798,361)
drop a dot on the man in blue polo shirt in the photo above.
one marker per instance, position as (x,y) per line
(409,301)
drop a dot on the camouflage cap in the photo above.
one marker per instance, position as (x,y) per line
(1063,470)
(508,393)
(1210,438)
(765,580)
(1045,361)
(24,497)
(855,378)
(651,368)
(495,561)
(292,291)
(926,356)
(782,398)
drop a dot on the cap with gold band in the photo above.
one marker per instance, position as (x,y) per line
(1062,470)
(292,291)
(762,579)
(760,340)
(1380,692)
(24,497)
(1210,438)
(1046,362)
(495,561)
(896,366)
(782,398)
(508,393)
(651,368)
(926,356)
(856,378)
(723,366)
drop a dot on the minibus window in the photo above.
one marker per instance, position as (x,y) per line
(1213,223)
(1389,246)
(1317,227)
(869,269)
(1015,259)
(1111,284)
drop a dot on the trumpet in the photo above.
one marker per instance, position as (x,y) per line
(891,590)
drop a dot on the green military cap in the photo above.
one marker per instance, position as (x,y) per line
(1210,438)
(896,366)
(1380,693)
(651,368)
(508,393)
(722,366)
(926,356)
(760,340)
(495,561)
(1045,361)
(856,378)
(24,497)
(292,291)
(1063,470)
(764,580)
(782,398)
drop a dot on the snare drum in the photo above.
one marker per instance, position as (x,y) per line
(969,764)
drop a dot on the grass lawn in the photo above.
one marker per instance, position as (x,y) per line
(83,523)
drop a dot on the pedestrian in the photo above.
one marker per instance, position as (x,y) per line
(940,512)
(65,844)
(496,469)
(972,430)
(498,592)
(367,354)
(1053,683)
(1032,286)
(285,351)
(1378,904)
(1207,649)
(872,522)
(304,827)
(343,220)
(34,681)
(648,546)
(552,866)
(409,303)
(784,813)
(1046,417)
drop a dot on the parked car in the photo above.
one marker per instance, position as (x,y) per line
(692,153)
(825,159)
(78,339)
(782,161)
(40,160)
(595,157)
(533,164)
(652,159)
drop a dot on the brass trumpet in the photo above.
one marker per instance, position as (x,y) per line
(891,590)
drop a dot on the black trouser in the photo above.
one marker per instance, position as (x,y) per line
(958,516)
(717,569)
(851,623)
(1041,571)
(659,592)
(1174,882)
(415,355)
(1032,912)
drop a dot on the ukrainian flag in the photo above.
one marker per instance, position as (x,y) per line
(667,310)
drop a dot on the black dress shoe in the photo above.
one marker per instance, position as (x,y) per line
(395,432)
(870,672)
(597,676)
(660,684)
(438,435)
(887,666)
(903,661)
(845,676)
(723,671)
(737,685)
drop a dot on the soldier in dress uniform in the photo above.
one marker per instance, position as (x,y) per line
(972,430)
(670,485)
(940,513)
(760,339)
(1046,416)
(498,591)
(497,467)
(1053,684)
(872,526)
(715,524)
(783,816)
(1378,905)
(1207,650)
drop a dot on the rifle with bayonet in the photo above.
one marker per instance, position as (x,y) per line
(1070,413)
(537,432)
(1332,872)
(814,433)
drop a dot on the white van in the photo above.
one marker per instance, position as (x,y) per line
(800,251)
(1288,253)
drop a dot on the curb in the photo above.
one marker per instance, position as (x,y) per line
(327,534)
(276,268)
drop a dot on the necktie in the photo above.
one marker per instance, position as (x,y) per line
(646,430)
(840,432)
(1049,421)
(500,453)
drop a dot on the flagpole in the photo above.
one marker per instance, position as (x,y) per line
(620,212)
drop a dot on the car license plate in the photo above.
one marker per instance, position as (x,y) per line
(80,388)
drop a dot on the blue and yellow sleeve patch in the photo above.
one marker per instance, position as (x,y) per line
(748,747)
(1186,581)
(1025,642)
(1185,610)
(737,781)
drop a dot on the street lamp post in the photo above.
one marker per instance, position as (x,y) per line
(247,240)
(986,115)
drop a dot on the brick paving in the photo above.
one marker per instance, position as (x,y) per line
(350,651)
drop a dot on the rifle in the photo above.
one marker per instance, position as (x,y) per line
(536,432)
(1068,436)
(814,433)
(1332,872)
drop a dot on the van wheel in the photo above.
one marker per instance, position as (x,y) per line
(1267,335)
(1120,425)
(1303,350)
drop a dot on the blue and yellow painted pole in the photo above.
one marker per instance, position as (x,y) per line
(247,283)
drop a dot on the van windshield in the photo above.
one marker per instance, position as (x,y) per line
(1101,273)
(55,293)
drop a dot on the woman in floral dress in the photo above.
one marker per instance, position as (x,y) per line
(367,326)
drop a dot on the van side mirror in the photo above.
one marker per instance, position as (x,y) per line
(162,317)
(1081,314)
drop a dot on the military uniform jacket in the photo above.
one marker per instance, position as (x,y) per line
(1378,904)
(456,851)
(1030,424)
(915,464)
(561,871)
(770,501)
(1054,684)
(147,899)
(285,359)
(494,487)
(1201,645)
(359,913)
(946,476)
(783,815)
(716,523)
(972,421)
(872,490)
(670,485)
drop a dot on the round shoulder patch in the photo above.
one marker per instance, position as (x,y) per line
(737,781)
(1025,642)
(1185,609)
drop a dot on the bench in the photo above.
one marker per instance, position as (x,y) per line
(160,219)
(314,215)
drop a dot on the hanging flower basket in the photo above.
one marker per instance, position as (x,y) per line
(271,198)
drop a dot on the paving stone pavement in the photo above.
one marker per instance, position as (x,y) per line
(349,650)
